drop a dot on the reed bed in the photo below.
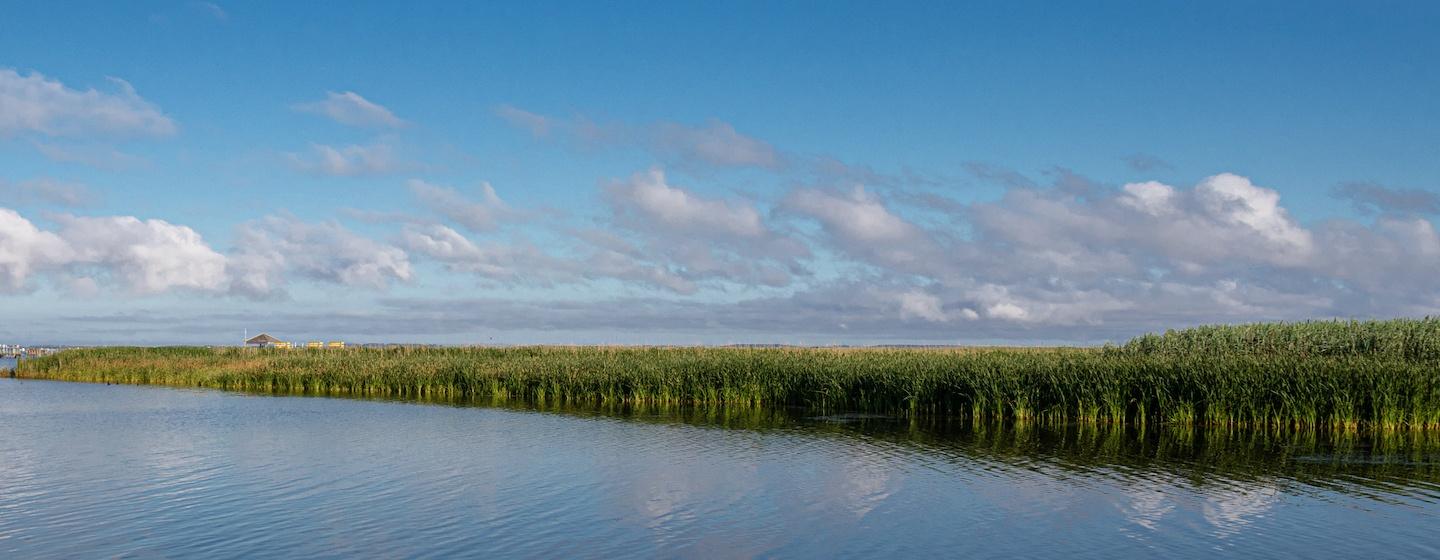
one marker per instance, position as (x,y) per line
(1298,375)
(1400,339)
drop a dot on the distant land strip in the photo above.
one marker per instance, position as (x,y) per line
(1304,375)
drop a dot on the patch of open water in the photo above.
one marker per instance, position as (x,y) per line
(94,471)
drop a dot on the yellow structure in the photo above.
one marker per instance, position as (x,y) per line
(314,344)
(284,345)
(335,344)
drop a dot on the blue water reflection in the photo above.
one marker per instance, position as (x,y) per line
(93,471)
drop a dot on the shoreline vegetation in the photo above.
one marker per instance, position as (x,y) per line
(1308,375)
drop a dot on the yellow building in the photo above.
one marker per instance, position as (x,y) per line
(284,345)
(314,344)
(335,344)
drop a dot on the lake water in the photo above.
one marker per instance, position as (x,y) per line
(90,471)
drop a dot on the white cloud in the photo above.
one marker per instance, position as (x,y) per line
(918,304)
(856,216)
(1397,258)
(143,256)
(664,227)
(516,263)
(350,108)
(716,143)
(147,256)
(525,264)
(1007,311)
(654,273)
(663,237)
(271,248)
(256,267)
(1233,200)
(24,248)
(1037,263)
(678,209)
(38,104)
(862,227)
(347,161)
(483,216)
(1222,222)
(538,125)
(1148,254)
(1153,198)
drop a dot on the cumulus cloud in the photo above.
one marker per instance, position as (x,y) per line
(821,314)
(1232,200)
(1071,261)
(24,248)
(143,256)
(918,304)
(519,263)
(1144,255)
(147,256)
(648,195)
(37,104)
(698,237)
(863,227)
(1223,221)
(349,108)
(1393,261)
(656,235)
(479,216)
(347,161)
(856,216)
(269,250)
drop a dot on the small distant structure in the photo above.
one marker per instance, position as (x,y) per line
(335,344)
(11,351)
(314,344)
(284,345)
(263,340)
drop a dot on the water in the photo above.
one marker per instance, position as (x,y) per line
(100,471)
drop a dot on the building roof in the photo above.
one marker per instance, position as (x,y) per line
(263,338)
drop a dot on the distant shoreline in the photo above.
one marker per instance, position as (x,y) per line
(1339,375)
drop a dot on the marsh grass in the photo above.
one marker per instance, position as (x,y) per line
(1400,339)
(1331,375)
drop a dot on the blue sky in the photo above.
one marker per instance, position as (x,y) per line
(734,172)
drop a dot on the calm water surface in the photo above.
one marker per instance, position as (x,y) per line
(99,471)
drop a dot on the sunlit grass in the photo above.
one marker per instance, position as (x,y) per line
(1316,374)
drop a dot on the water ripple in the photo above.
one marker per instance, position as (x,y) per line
(91,470)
